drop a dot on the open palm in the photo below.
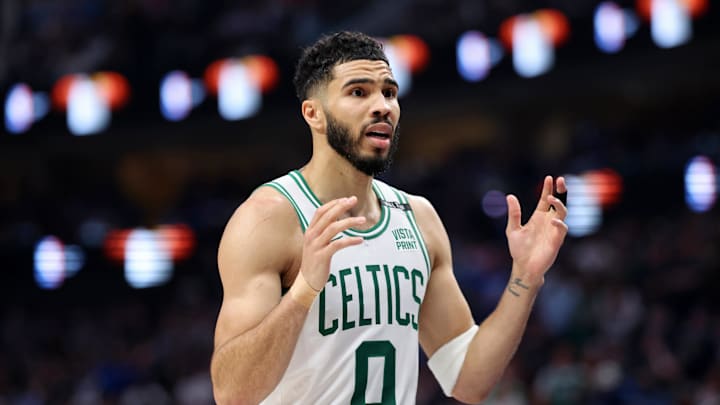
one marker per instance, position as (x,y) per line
(535,245)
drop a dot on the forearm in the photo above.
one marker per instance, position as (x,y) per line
(497,340)
(249,366)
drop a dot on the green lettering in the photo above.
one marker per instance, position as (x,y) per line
(405,320)
(416,274)
(381,348)
(389,292)
(345,299)
(362,321)
(374,268)
(323,330)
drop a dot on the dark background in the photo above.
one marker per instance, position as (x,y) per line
(629,314)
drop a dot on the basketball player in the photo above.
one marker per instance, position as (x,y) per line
(331,278)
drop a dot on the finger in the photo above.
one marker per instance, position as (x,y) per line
(342,243)
(558,223)
(333,213)
(562,228)
(324,209)
(561,190)
(514,213)
(547,189)
(338,226)
(557,205)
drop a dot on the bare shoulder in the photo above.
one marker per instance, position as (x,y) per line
(258,235)
(259,245)
(425,214)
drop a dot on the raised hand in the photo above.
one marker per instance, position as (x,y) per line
(535,245)
(319,246)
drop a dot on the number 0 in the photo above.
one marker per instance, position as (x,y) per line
(380,348)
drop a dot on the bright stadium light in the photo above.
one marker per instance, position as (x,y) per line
(533,52)
(700,184)
(239,96)
(670,23)
(176,96)
(87,110)
(148,261)
(610,30)
(474,58)
(19,109)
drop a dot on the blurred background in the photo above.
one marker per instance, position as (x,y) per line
(133,129)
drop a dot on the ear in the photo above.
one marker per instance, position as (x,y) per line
(313,114)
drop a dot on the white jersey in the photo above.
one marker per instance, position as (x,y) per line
(359,344)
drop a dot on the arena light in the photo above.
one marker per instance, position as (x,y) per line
(19,109)
(476,55)
(113,87)
(177,239)
(607,185)
(176,96)
(263,71)
(89,99)
(239,84)
(533,38)
(670,23)
(400,69)
(148,262)
(412,50)
(179,95)
(696,8)
(87,110)
(54,262)
(532,51)
(610,27)
(239,96)
(584,210)
(24,107)
(701,184)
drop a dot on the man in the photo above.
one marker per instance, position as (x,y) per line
(332,277)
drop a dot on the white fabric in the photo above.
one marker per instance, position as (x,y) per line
(447,361)
(359,343)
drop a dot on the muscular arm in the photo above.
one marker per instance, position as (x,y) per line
(255,325)
(445,313)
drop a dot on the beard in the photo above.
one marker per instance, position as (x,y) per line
(340,139)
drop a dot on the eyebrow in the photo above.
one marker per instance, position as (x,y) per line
(387,81)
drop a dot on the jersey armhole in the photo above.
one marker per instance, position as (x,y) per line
(280,189)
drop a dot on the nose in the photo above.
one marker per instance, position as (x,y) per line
(381,106)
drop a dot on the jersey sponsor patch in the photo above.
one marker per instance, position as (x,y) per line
(405,239)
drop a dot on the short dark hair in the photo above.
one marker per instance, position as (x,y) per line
(317,61)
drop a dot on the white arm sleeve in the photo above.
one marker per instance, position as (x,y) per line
(447,361)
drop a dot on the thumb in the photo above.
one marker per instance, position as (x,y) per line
(514,213)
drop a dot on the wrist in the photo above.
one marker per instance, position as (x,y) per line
(302,292)
(526,280)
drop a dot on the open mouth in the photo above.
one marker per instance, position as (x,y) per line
(380,130)
(380,135)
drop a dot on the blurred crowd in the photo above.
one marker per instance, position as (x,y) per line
(144,39)
(628,315)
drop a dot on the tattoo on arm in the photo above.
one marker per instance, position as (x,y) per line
(512,287)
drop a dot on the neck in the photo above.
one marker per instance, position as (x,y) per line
(330,176)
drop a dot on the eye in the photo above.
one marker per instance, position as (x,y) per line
(358,92)
(390,92)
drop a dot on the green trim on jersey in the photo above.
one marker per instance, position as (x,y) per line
(371,233)
(413,222)
(281,190)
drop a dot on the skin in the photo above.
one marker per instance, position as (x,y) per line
(257,324)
